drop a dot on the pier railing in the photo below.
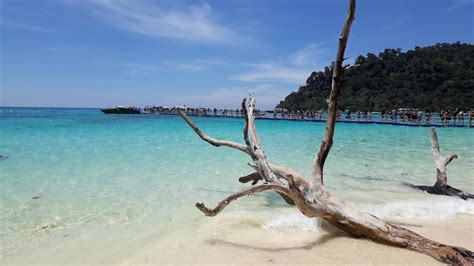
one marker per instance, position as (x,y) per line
(374,118)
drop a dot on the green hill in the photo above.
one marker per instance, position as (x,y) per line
(429,78)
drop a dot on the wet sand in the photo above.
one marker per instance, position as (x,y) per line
(237,237)
(222,240)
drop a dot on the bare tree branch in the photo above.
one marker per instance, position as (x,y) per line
(450,158)
(441,186)
(246,192)
(441,162)
(254,177)
(348,67)
(246,131)
(434,144)
(327,141)
(213,142)
(280,171)
(254,145)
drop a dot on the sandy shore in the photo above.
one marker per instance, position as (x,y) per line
(222,240)
(242,238)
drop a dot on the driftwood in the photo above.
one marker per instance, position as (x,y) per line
(441,186)
(255,177)
(311,196)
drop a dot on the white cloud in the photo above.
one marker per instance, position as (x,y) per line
(27,27)
(295,69)
(458,4)
(190,67)
(200,64)
(193,23)
(134,69)
(273,72)
(139,69)
(393,25)
(309,55)
(267,96)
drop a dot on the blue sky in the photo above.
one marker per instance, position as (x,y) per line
(96,53)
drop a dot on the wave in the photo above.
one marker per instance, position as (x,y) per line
(292,222)
(434,209)
(442,208)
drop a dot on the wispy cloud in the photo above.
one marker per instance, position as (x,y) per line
(138,69)
(7,23)
(193,23)
(66,48)
(141,69)
(309,55)
(393,25)
(458,4)
(295,68)
(199,65)
(271,71)
(267,97)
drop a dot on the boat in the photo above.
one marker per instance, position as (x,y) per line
(124,109)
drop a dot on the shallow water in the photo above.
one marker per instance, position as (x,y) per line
(98,175)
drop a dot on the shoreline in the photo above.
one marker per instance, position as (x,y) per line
(245,238)
(221,241)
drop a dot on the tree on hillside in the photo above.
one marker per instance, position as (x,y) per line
(430,78)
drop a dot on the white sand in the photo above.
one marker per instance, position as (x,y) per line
(222,241)
(236,238)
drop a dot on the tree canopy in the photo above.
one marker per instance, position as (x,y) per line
(427,78)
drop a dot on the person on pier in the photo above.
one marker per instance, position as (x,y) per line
(469,117)
(461,118)
(444,117)
(427,117)
(455,116)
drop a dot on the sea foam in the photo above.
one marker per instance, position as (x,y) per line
(439,209)
(292,222)
(442,208)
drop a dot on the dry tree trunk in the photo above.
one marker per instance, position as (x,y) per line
(441,186)
(311,197)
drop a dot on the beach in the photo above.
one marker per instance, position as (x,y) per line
(83,187)
(246,238)
(225,241)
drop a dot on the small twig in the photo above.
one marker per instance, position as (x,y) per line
(254,177)
(350,66)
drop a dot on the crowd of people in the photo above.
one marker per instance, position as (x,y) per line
(402,115)
(198,111)
(457,117)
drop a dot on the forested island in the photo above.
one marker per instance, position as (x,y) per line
(428,78)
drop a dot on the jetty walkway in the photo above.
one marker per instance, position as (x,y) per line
(375,118)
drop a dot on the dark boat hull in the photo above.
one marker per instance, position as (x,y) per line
(119,111)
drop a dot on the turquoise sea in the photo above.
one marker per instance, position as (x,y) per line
(79,176)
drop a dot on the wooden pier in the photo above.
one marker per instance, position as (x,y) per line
(435,121)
